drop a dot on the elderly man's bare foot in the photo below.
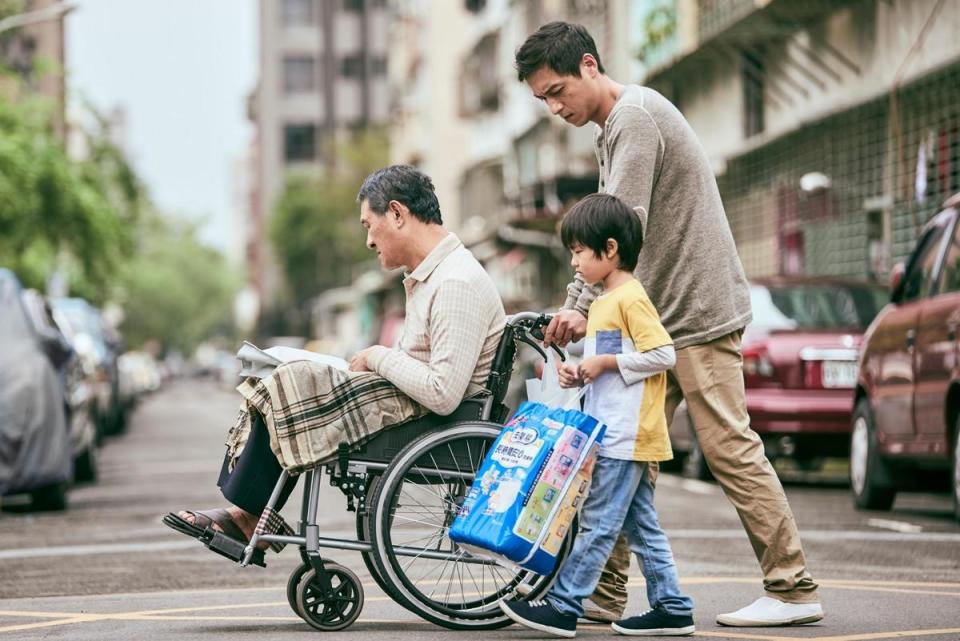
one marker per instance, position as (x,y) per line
(221,521)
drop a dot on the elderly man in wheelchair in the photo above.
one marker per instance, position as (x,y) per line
(401,433)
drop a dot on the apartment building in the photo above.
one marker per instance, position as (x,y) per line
(35,50)
(833,126)
(505,169)
(323,72)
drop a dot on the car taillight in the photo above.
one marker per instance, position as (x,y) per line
(758,369)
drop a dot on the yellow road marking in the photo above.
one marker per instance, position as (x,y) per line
(872,586)
(871,636)
(39,615)
(49,624)
(176,614)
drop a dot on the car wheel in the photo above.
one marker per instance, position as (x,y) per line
(867,468)
(85,465)
(695,465)
(50,498)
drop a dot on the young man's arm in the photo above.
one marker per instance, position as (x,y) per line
(634,150)
(458,331)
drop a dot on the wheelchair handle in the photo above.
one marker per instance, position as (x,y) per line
(531,326)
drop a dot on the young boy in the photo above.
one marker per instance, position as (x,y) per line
(627,353)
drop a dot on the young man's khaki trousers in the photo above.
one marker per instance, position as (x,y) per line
(710,378)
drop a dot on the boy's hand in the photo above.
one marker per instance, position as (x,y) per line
(567,325)
(593,367)
(568,376)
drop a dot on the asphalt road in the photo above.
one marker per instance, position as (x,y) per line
(108,569)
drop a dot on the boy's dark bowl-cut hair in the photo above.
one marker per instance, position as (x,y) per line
(598,217)
(406,185)
(557,45)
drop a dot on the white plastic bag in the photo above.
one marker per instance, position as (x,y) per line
(547,389)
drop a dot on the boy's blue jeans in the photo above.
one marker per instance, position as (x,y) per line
(620,499)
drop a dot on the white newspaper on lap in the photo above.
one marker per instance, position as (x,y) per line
(260,363)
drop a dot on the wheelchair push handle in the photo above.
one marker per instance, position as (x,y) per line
(530,326)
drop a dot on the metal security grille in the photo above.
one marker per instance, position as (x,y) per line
(847,196)
(714,16)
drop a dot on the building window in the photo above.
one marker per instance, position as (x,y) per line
(378,66)
(299,142)
(352,66)
(353,5)
(299,74)
(753,80)
(298,12)
(479,83)
(475,6)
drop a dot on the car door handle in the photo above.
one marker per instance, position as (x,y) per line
(911,338)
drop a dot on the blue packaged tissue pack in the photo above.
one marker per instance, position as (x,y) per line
(530,486)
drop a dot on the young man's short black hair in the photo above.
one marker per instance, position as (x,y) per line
(406,185)
(598,217)
(559,46)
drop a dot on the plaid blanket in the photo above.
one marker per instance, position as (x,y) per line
(309,409)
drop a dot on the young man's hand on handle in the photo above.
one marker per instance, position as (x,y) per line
(567,325)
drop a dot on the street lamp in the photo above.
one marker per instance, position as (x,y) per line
(22,19)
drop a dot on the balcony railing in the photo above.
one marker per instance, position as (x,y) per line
(714,16)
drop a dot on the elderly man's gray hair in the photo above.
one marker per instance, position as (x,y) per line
(406,185)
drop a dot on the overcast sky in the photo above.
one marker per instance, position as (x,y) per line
(182,70)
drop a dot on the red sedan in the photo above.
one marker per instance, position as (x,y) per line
(800,368)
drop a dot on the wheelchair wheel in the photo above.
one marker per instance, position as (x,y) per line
(293,583)
(333,609)
(414,505)
(363,534)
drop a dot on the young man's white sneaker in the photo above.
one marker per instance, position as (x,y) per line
(767,611)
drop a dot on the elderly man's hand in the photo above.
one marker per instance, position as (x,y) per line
(359,361)
(567,325)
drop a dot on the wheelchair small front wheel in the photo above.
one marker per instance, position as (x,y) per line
(334,608)
(293,583)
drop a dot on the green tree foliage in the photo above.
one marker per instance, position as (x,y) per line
(315,228)
(175,290)
(55,210)
(659,26)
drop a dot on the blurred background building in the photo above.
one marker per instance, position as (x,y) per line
(32,45)
(323,72)
(833,125)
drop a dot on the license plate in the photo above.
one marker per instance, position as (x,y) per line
(839,374)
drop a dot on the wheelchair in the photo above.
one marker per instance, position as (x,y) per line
(406,485)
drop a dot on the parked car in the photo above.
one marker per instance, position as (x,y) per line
(98,348)
(799,368)
(77,385)
(905,425)
(35,451)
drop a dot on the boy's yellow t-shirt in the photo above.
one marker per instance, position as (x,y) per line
(623,321)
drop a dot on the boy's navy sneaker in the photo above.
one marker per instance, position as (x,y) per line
(540,615)
(656,622)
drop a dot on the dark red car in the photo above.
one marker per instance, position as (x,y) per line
(905,426)
(800,368)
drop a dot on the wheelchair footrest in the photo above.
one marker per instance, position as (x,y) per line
(233,549)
